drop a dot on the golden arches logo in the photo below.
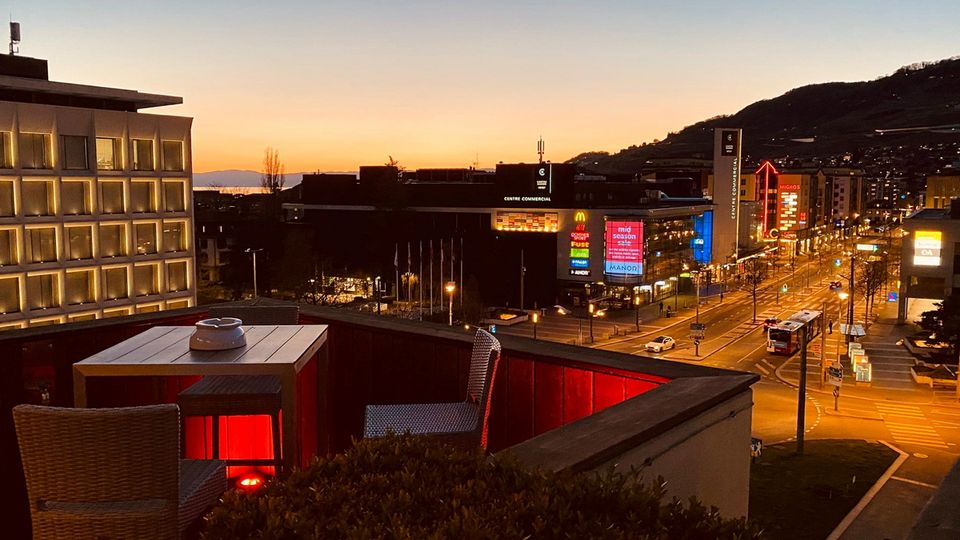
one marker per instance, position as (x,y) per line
(580,217)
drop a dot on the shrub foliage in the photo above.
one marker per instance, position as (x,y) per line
(404,487)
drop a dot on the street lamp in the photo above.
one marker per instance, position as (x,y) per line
(536,320)
(450,287)
(254,251)
(636,308)
(696,285)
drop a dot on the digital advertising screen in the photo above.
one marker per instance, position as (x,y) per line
(624,248)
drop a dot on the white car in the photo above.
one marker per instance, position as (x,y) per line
(660,344)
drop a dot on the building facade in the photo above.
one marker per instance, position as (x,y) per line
(941,190)
(95,201)
(930,260)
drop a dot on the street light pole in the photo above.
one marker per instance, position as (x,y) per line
(802,391)
(636,308)
(254,251)
(536,320)
(450,287)
(696,284)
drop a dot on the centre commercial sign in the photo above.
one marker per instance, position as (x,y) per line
(624,248)
(927,246)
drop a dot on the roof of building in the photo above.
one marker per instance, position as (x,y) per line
(931,213)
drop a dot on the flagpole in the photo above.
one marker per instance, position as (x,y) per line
(441,275)
(420,280)
(431,277)
(396,267)
(462,287)
(409,273)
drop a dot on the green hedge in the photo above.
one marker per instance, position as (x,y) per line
(413,488)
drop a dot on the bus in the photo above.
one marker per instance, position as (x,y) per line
(784,338)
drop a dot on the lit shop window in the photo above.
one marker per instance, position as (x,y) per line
(109,154)
(119,312)
(76,317)
(148,308)
(142,196)
(178,304)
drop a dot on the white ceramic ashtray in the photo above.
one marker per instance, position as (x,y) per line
(218,335)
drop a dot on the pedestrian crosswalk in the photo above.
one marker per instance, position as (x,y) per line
(908,425)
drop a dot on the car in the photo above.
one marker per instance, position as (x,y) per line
(660,344)
(772,321)
(835,285)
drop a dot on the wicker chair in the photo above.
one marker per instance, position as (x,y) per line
(111,473)
(464,423)
(232,395)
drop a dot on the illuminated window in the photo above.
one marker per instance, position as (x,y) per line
(113,240)
(174,196)
(79,242)
(34,151)
(142,155)
(142,196)
(148,308)
(40,245)
(8,247)
(146,279)
(75,197)
(7,207)
(112,195)
(74,152)
(79,288)
(82,317)
(9,295)
(38,198)
(108,154)
(121,312)
(172,156)
(42,292)
(146,238)
(173,239)
(115,283)
(177,276)
(6,155)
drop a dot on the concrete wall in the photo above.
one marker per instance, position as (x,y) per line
(707,456)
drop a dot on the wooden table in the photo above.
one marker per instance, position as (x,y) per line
(164,351)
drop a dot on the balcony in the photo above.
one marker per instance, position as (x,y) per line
(556,406)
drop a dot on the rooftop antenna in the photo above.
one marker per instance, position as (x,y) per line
(476,161)
(14,37)
(540,148)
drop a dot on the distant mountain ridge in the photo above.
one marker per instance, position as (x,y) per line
(820,119)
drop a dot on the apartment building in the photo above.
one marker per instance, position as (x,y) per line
(95,201)
(941,189)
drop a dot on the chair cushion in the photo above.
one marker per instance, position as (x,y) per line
(201,484)
(421,418)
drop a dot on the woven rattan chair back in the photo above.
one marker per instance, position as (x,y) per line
(483,365)
(284,314)
(83,466)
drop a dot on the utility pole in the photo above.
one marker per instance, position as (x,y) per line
(254,252)
(802,392)
(823,343)
(850,307)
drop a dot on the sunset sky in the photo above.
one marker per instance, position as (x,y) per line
(334,85)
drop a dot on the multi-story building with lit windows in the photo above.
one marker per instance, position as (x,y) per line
(95,201)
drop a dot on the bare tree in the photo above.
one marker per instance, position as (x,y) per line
(754,272)
(870,278)
(272,177)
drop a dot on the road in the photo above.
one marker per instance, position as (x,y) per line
(922,422)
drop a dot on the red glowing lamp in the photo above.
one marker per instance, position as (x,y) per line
(250,482)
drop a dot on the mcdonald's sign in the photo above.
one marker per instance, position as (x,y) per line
(580,217)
